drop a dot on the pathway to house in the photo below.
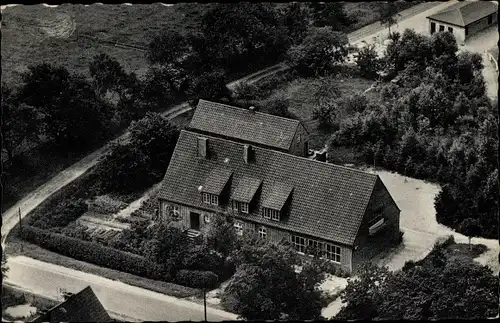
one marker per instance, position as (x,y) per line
(415,198)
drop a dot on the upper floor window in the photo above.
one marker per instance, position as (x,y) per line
(376,216)
(262,232)
(210,198)
(271,214)
(240,206)
(299,138)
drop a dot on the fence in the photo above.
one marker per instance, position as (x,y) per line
(493,60)
(114,43)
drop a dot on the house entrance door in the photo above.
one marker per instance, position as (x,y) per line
(194,220)
(433,27)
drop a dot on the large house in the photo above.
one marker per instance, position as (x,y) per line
(249,164)
(464,19)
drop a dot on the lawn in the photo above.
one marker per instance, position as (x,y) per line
(36,34)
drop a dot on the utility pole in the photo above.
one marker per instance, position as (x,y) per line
(205,303)
(21,229)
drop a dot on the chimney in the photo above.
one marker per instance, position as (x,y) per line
(202,147)
(246,153)
(252,109)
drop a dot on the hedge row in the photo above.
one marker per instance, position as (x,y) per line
(94,253)
(116,259)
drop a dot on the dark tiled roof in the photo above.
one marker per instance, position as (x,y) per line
(465,12)
(328,201)
(216,180)
(83,306)
(245,189)
(278,194)
(242,124)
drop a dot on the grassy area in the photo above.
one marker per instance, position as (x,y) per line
(31,250)
(36,34)
(366,13)
(301,94)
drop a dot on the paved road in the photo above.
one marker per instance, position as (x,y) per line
(134,303)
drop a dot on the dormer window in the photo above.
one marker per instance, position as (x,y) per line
(240,206)
(271,214)
(210,198)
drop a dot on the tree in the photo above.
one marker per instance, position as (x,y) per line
(432,289)
(266,286)
(210,86)
(167,247)
(388,13)
(278,106)
(156,137)
(109,76)
(68,105)
(330,14)
(470,228)
(368,62)
(244,32)
(325,115)
(221,235)
(19,122)
(362,293)
(296,18)
(168,47)
(320,52)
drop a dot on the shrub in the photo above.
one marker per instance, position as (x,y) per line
(105,204)
(94,253)
(197,278)
(246,91)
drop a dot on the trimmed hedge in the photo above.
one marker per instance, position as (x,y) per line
(197,278)
(95,253)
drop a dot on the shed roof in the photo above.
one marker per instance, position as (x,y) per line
(328,200)
(464,13)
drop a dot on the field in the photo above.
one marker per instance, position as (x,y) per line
(36,34)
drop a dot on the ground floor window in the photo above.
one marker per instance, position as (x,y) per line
(332,252)
(299,243)
(262,232)
(314,247)
(239,228)
(441,28)
(466,31)
(450,30)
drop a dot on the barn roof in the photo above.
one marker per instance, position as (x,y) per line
(326,200)
(242,124)
(464,13)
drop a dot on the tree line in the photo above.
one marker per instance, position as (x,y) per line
(434,122)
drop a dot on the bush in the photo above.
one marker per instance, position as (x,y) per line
(94,253)
(197,278)
(105,204)
(246,91)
